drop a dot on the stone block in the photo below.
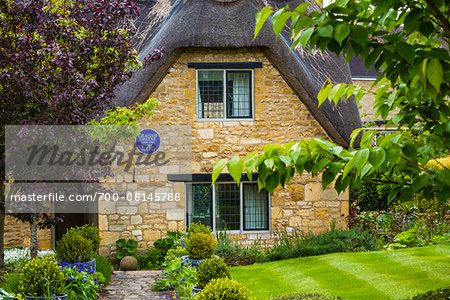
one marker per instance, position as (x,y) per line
(344,208)
(313,191)
(136,220)
(329,194)
(277,212)
(45,244)
(295,221)
(321,213)
(137,232)
(119,227)
(151,235)
(173,226)
(127,210)
(109,238)
(205,133)
(106,207)
(287,212)
(175,214)
(103,222)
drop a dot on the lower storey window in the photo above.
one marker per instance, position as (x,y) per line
(228,206)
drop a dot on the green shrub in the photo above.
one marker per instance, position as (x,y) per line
(126,248)
(433,295)
(236,254)
(103,266)
(198,228)
(212,268)
(73,248)
(175,253)
(200,245)
(153,259)
(300,244)
(370,196)
(224,289)
(304,296)
(41,276)
(11,283)
(89,232)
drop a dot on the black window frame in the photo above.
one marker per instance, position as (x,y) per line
(242,202)
(225,98)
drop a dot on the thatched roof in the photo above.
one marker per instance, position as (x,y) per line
(176,24)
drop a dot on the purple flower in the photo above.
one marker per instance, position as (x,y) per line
(91,271)
(80,269)
(183,279)
(84,280)
(95,281)
(70,279)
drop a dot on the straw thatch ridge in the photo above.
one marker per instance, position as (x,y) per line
(177,24)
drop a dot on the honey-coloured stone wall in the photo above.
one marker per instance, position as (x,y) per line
(17,234)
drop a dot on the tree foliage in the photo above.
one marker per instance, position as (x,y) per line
(60,63)
(408,42)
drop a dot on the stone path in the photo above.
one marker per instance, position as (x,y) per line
(130,285)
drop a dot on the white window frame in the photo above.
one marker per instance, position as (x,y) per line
(252,100)
(241,207)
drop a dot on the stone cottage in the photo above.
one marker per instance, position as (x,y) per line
(224,94)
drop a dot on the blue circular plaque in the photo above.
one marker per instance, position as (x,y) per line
(148,141)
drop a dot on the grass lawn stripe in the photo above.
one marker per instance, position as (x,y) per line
(435,260)
(309,275)
(387,275)
(368,275)
(338,281)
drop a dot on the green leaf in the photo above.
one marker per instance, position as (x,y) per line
(318,166)
(341,31)
(325,31)
(286,160)
(359,34)
(330,173)
(218,168)
(272,181)
(323,93)
(406,51)
(443,176)
(304,38)
(261,18)
(341,183)
(250,163)
(302,23)
(302,8)
(361,158)
(334,91)
(377,157)
(348,167)
(435,73)
(426,28)
(406,194)
(236,167)
(279,20)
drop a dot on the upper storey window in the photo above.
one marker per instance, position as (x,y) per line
(224,94)
(224,90)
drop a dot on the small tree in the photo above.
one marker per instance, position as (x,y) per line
(60,63)
(408,42)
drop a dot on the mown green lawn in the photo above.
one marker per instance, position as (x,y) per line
(366,275)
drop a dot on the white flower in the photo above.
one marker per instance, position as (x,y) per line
(22,255)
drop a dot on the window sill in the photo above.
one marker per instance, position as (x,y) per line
(245,232)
